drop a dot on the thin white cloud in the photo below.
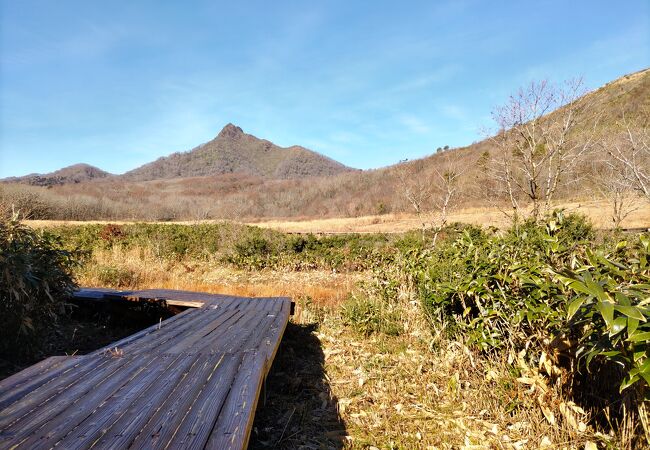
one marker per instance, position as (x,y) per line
(89,40)
(414,124)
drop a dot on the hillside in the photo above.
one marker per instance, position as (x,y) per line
(234,151)
(76,173)
(239,176)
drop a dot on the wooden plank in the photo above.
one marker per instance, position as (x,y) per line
(50,424)
(123,426)
(251,333)
(192,381)
(24,376)
(274,339)
(198,317)
(199,418)
(31,383)
(239,331)
(170,295)
(165,325)
(176,404)
(233,426)
(64,390)
(42,387)
(224,328)
(218,321)
(156,341)
(102,417)
(95,294)
(268,336)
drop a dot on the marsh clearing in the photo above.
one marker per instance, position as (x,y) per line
(333,387)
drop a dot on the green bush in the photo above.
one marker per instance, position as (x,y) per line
(368,315)
(117,277)
(241,246)
(608,310)
(35,280)
(548,288)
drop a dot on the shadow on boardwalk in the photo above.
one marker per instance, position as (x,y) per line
(298,410)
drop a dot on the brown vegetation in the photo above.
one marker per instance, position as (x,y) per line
(332,387)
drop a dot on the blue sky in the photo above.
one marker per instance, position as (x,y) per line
(117,84)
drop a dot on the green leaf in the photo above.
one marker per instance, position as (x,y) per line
(632,325)
(574,306)
(618,325)
(607,311)
(640,337)
(638,355)
(628,382)
(580,287)
(645,241)
(631,311)
(596,290)
(622,299)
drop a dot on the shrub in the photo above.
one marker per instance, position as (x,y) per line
(608,310)
(35,280)
(111,233)
(500,290)
(550,291)
(118,277)
(371,315)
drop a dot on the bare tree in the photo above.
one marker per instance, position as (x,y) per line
(445,192)
(538,143)
(417,189)
(630,147)
(434,195)
(612,180)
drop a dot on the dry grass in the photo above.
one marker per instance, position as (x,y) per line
(419,391)
(597,211)
(139,268)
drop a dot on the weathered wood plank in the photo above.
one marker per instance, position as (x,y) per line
(28,414)
(155,341)
(172,411)
(272,344)
(70,410)
(123,428)
(219,322)
(214,342)
(267,318)
(25,397)
(32,373)
(233,426)
(172,297)
(199,418)
(105,415)
(166,324)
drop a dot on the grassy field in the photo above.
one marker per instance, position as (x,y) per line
(377,355)
(332,387)
(598,212)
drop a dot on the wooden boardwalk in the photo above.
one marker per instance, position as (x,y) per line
(192,381)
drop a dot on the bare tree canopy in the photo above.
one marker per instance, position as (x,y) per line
(629,147)
(433,193)
(536,145)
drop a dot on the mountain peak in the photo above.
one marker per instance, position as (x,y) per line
(75,173)
(234,151)
(231,131)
